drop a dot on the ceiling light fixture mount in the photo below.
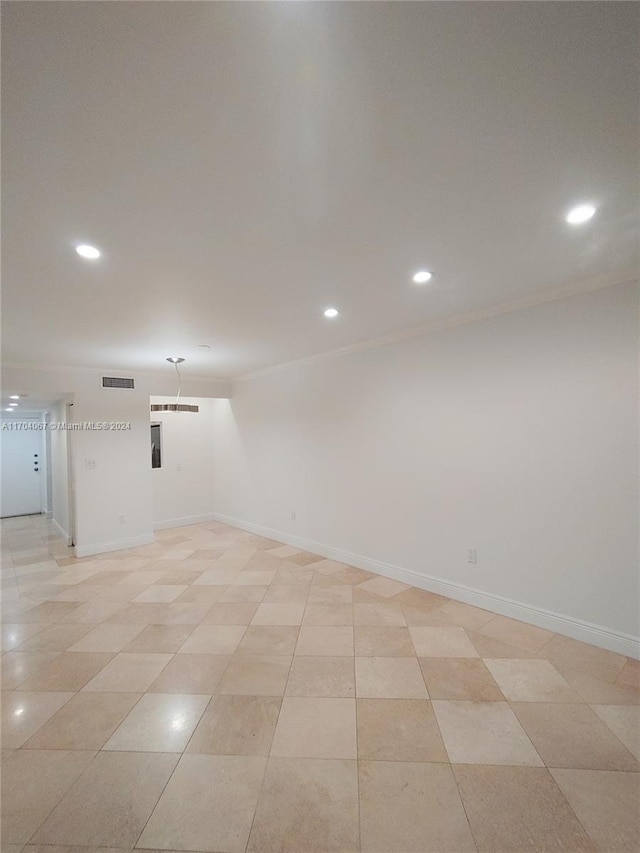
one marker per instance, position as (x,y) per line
(580,214)
(175,360)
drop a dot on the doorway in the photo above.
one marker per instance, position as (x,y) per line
(23,472)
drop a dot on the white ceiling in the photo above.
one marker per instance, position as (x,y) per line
(242,166)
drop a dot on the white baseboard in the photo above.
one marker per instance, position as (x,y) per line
(60,532)
(568,626)
(48,515)
(185,521)
(117,545)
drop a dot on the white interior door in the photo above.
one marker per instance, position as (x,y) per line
(21,457)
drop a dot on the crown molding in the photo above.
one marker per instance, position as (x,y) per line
(626,276)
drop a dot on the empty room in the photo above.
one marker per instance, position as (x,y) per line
(319,447)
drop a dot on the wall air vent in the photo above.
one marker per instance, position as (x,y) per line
(116,382)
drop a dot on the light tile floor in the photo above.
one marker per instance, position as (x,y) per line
(222,692)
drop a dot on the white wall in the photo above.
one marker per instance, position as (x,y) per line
(183,486)
(120,482)
(516,435)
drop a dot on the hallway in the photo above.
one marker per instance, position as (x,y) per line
(217,691)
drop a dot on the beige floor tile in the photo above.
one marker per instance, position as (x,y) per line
(24,713)
(329,640)
(183,613)
(385,613)
(624,722)
(353,576)
(321,676)
(531,681)
(108,637)
(230,613)
(384,587)
(327,567)
(15,634)
(194,674)
(70,671)
(142,577)
(250,578)
(573,736)
(398,730)
(179,577)
(484,733)
(54,638)
(571,656)
(598,692)
(389,678)
(342,594)
(255,675)
(316,728)
(33,782)
(201,595)
(49,611)
(459,678)
(420,599)
(17,667)
(214,640)
(216,578)
(442,642)
(629,675)
(208,804)
(289,574)
(111,802)
(328,614)
(519,808)
(237,725)
(382,641)
(85,722)
(278,614)
(161,593)
(465,615)
(308,805)
(95,612)
(244,594)
(161,639)
(138,613)
(269,640)
(286,594)
(160,722)
(606,803)
(128,673)
(411,807)
(516,633)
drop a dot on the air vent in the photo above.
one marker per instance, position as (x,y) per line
(116,382)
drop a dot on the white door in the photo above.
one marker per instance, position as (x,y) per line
(21,457)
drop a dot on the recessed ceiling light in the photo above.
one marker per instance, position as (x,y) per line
(8,410)
(203,346)
(422,277)
(90,253)
(14,397)
(331,312)
(581,213)
(13,405)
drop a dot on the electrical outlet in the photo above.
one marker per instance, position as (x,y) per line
(472,555)
(89,464)
(121,519)
(293,516)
